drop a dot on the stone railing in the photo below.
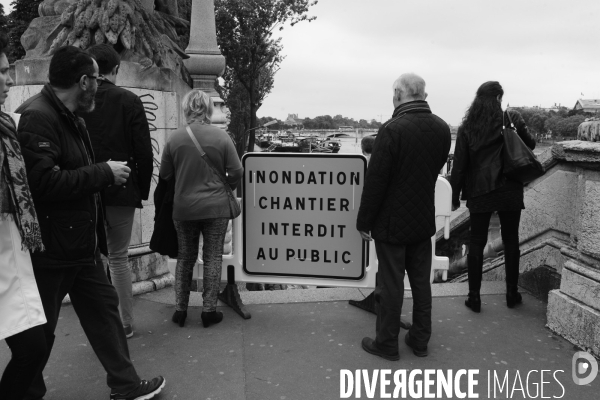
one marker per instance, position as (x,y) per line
(559,241)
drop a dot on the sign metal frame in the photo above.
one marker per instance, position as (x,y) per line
(245,198)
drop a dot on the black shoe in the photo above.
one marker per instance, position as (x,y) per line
(213,317)
(419,351)
(146,390)
(369,346)
(512,299)
(179,317)
(473,302)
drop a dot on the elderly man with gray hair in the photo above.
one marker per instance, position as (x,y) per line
(397,211)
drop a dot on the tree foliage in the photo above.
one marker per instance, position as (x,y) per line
(324,122)
(24,11)
(245,31)
(564,127)
(560,123)
(3,19)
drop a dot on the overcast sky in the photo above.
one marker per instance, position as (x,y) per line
(344,62)
(542,52)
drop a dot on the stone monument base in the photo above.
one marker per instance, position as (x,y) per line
(573,309)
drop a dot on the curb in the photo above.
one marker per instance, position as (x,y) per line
(142,287)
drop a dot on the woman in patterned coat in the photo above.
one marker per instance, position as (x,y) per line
(201,202)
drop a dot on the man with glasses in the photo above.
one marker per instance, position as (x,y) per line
(65,181)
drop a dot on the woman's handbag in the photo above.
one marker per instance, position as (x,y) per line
(164,236)
(234,206)
(520,163)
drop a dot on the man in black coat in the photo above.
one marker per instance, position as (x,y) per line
(65,181)
(397,210)
(119,131)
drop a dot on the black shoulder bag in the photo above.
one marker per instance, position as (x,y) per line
(164,237)
(520,164)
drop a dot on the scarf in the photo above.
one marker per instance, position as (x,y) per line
(25,215)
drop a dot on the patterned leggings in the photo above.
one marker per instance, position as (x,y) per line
(188,235)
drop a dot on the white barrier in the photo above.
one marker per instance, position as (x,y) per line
(443,208)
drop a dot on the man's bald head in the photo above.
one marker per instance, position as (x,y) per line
(409,87)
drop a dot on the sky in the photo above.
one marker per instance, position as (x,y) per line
(345,62)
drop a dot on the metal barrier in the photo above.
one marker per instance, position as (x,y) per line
(234,260)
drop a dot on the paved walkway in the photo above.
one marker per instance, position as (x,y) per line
(298,341)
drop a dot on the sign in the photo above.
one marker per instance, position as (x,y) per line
(299,215)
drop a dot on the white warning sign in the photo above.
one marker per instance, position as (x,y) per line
(299,215)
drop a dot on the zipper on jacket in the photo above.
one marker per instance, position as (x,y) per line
(95,200)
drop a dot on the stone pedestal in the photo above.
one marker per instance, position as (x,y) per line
(160,91)
(574,309)
(206,63)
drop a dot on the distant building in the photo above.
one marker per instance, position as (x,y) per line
(292,120)
(590,106)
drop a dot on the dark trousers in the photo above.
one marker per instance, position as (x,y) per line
(394,261)
(96,303)
(28,353)
(509,228)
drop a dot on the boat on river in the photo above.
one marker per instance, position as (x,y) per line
(297,142)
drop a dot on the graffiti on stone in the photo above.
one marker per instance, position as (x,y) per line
(150,107)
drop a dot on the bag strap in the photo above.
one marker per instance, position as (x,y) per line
(512,125)
(207,160)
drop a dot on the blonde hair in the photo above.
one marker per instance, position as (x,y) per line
(197,107)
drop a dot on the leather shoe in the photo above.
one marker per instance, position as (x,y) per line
(512,299)
(213,317)
(419,351)
(179,317)
(370,346)
(474,302)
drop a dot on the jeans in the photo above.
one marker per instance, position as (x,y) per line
(96,303)
(394,262)
(188,236)
(119,222)
(28,355)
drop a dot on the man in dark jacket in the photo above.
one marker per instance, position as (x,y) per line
(397,208)
(65,182)
(119,131)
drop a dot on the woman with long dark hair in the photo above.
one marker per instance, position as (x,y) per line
(477,173)
(21,311)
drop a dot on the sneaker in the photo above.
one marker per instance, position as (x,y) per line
(370,346)
(128,331)
(419,351)
(146,390)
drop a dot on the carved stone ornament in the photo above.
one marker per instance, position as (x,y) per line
(138,32)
